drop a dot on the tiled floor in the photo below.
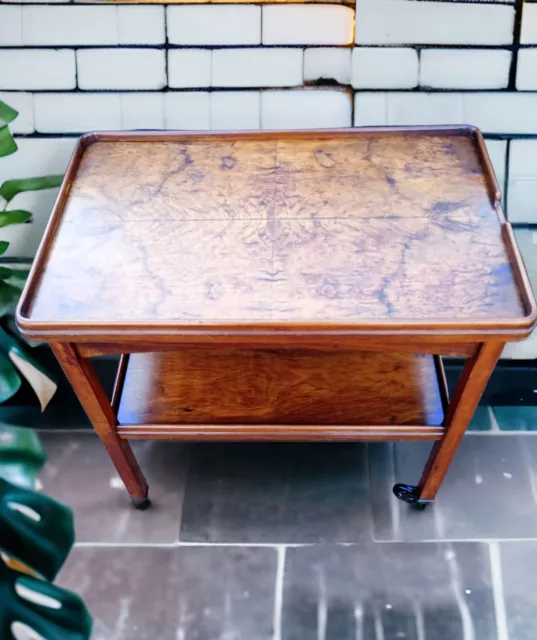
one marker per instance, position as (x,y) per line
(303,541)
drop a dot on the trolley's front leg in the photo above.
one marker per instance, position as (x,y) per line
(88,388)
(463,403)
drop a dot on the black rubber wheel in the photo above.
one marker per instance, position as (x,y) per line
(406,492)
(141,504)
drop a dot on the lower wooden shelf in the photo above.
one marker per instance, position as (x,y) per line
(280,395)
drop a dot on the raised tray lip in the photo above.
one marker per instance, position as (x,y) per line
(106,331)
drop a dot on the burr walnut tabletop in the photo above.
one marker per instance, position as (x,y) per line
(286,261)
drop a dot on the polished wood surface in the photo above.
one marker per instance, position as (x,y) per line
(289,387)
(366,230)
(277,286)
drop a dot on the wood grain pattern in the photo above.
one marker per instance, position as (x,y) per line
(353,229)
(280,387)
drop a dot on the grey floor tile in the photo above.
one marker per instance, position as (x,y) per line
(520,418)
(80,473)
(490,490)
(277,493)
(436,591)
(190,593)
(519,578)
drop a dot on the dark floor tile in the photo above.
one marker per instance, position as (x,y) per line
(482,419)
(277,493)
(488,491)
(79,473)
(521,418)
(519,578)
(182,593)
(436,591)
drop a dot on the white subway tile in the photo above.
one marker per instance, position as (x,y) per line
(465,69)
(502,112)
(528,33)
(327,63)
(189,68)
(307,24)
(121,68)
(305,109)
(69,24)
(141,24)
(214,24)
(10,26)
(187,110)
(37,69)
(497,150)
(411,22)
(76,112)
(24,104)
(526,77)
(141,110)
(257,67)
(370,109)
(384,68)
(424,108)
(235,110)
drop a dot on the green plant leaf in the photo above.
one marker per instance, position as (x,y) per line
(7,142)
(4,244)
(10,380)
(37,377)
(14,216)
(7,113)
(5,273)
(11,188)
(21,456)
(9,296)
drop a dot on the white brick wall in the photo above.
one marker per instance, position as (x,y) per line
(24,104)
(33,158)
(140,110)
(528,33)
(214,24)
(187,110)
(497,150)
(465,68)
(37,69)
(384,68)
(307,24)
(92,25)
(412,22)
(305,109)
(522,194)
(235,110)
(257,67)
(189,68)
(501,112)
(76,112)
(327,63)
(121,68)
(139,24)
(10,26)
(526,77)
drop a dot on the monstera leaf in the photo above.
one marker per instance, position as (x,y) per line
(36,536)
(15,361)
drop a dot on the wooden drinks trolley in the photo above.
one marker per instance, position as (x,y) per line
(279,286)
